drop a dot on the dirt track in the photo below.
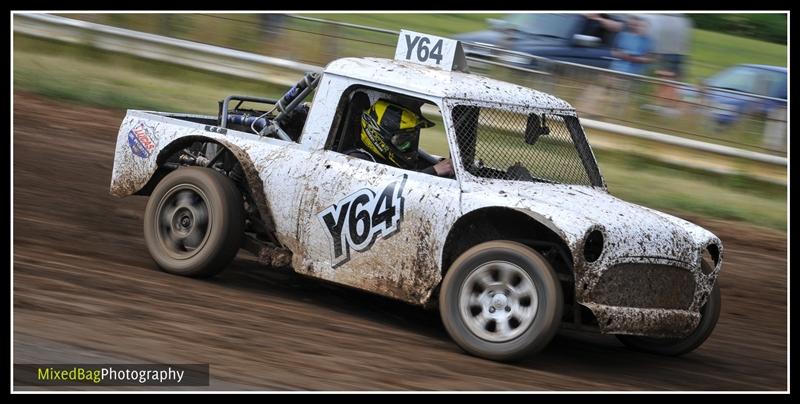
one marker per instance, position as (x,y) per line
(85,290)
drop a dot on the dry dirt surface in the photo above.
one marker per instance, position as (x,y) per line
(86,291)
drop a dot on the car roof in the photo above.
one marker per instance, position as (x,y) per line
(427,80)
(767,67)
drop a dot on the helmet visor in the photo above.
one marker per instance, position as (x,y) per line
(404,139)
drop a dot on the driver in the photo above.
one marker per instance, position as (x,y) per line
(390,135)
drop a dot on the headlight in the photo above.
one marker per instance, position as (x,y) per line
(711,258)
(593,246)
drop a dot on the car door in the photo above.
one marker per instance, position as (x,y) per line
(375,227)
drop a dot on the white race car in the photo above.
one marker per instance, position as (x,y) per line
(523,240)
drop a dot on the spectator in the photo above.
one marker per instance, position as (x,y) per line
(674,39)
(605,27)
(632,48)
(602,26)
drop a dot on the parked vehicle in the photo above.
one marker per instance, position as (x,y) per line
(524,239)
(741,90)
(573,38)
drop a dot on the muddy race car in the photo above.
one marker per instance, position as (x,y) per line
(522,241)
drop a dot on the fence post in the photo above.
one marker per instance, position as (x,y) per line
(775,130)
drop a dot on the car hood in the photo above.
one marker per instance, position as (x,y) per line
(631,232)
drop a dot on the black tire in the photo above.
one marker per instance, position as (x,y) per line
(180,199)
(678,346)
(536,328)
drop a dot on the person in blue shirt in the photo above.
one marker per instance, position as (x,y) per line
(632,48)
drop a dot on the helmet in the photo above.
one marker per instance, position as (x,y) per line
(391,132)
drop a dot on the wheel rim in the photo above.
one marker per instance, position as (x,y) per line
(183,221)
(498,301)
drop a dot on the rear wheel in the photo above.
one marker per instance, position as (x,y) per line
(501,300)
(194,222)
(709,314)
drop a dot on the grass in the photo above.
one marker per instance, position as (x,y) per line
(662,186)
(712,51)
(111,80)
(438,24)
(76,73)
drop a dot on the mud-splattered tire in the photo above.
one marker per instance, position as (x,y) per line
(194,222)
(679,346)
(501,300)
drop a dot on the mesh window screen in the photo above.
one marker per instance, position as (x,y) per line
(501,144)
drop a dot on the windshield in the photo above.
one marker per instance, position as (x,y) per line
(500,144)
(551,25)
(742,78)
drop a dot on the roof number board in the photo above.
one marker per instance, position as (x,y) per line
(430,50)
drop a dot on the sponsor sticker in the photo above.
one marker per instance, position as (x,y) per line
(141,141)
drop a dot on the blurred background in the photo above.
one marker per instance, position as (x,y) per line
(686,114)
(718,81)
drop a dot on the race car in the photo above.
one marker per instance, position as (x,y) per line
(522,241)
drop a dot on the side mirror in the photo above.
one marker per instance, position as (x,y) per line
(586,41)
(535,128)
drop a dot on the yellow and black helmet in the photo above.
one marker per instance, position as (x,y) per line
(391,132)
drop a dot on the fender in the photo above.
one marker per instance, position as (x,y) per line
(147,139)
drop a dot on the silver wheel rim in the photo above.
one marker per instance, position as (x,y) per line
(498,301)
(183,221)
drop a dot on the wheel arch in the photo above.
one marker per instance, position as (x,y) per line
(503,223)
(164,154)
(253,181)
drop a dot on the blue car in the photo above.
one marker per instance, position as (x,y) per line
(744,79)
(563,37)
(575,38)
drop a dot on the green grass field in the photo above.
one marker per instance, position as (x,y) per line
(712,51)
(99,78)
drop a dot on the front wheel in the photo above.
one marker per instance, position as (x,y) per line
(709,314)
(501,300)
(194,222)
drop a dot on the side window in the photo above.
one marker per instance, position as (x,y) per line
(777,85)
(536,147)
(345,131)
(389,128)
(433,140)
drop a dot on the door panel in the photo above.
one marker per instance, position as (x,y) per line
(375,227)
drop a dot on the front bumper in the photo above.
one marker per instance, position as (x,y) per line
(651,322)
(652,298)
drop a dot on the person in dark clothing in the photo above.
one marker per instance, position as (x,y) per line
(390,135)
(602,26)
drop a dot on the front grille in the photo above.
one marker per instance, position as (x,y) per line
(645,286)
